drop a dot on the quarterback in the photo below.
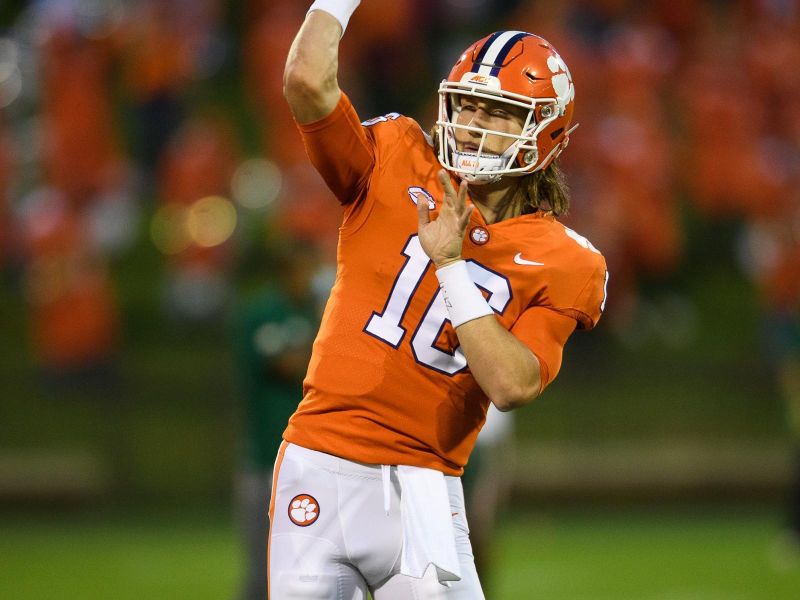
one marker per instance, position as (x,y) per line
(456,287)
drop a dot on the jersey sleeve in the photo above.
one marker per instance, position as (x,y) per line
(342,152)
(579,291)
(544,332)
(592,298)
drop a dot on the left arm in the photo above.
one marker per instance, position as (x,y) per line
(506,370)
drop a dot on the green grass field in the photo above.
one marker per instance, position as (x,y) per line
(662,554)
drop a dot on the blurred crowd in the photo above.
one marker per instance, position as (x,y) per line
(134,128)
(165,119)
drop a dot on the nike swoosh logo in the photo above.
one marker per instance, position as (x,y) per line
(521,261)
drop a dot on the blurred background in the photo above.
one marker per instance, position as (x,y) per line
(151,180)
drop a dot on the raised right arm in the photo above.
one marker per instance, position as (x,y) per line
(335,141)
(310,84)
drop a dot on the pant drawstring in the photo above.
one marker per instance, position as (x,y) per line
(387,489)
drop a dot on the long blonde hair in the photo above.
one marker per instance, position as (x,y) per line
(545,190)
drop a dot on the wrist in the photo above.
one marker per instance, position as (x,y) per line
(341,10)
(442,263)
(463,299)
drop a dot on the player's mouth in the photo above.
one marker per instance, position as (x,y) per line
(469,147)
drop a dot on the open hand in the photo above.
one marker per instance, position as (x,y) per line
(443,238)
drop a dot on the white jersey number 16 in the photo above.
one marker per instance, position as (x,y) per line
(386,325)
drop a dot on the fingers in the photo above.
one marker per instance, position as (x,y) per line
(456,200)
(462,193)
(463,219)
(461,199)
(454,203)
(444,179)
(423,212)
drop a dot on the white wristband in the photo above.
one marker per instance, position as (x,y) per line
(462,297)
(342,10)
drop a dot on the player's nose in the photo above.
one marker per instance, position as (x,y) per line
(479,118)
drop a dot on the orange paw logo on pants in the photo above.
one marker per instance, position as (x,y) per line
(303,510)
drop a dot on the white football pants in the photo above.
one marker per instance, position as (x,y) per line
(332,539)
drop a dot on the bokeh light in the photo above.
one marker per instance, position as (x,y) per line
(211,221)
(257,183)
(168,229)
(10,74)
(208,222)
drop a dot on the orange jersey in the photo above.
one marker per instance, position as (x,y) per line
(387,382)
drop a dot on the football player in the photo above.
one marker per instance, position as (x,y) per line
(456,287)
